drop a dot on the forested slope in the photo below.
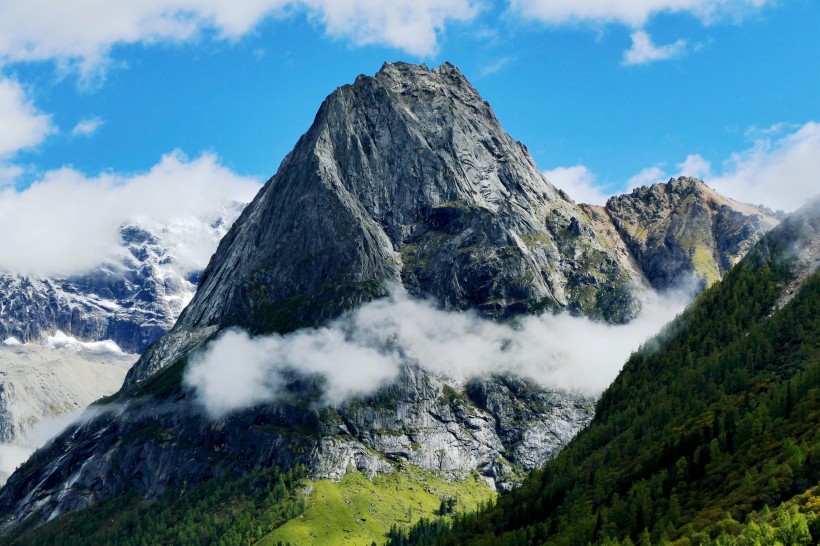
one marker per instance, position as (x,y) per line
(718,416)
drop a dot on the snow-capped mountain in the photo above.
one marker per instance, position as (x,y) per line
(66,341)
(132,299)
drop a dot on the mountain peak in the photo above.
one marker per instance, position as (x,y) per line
(407,177)
(683,226)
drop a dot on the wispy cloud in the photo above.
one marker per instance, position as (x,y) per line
(363,350)
(633,13)
(495,66)
(643,51)
(87,127)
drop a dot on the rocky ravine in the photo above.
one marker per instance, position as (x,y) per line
(404,177)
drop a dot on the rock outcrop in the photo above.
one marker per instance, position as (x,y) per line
(681,228)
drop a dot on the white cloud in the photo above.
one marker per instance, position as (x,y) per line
(496,65)
(632,13)
(21,124)
(643,51)
(646,177)
(87,127)
(82,34)
(9,174)
(364,349)
(411,25)
(579,182)
(781,172)
(68,223)
(695,166)
(781,169)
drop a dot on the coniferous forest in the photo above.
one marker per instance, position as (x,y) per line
(707,429)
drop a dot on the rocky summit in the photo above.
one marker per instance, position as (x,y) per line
(683,227)
(406,178)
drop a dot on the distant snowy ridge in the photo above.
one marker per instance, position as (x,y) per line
(69,340)
(131,298)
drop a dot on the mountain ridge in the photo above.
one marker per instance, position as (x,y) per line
(408,177)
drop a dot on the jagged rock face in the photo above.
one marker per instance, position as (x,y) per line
(407,176)
(132,302)
(683,226)
(492,425)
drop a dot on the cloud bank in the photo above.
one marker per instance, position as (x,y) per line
(81,35)
(364,349)
(68,223)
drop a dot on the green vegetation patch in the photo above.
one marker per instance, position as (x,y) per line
(357,510)
(705,264)
(226,511)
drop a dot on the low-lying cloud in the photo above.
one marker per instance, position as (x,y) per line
(68,223)
(12,455)
(364,349)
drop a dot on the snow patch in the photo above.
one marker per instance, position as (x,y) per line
(11,341)
(62,341)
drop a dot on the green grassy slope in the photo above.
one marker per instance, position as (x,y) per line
(357,510)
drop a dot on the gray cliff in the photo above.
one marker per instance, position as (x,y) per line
(405,177)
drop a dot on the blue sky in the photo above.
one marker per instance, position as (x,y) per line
(606,94)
